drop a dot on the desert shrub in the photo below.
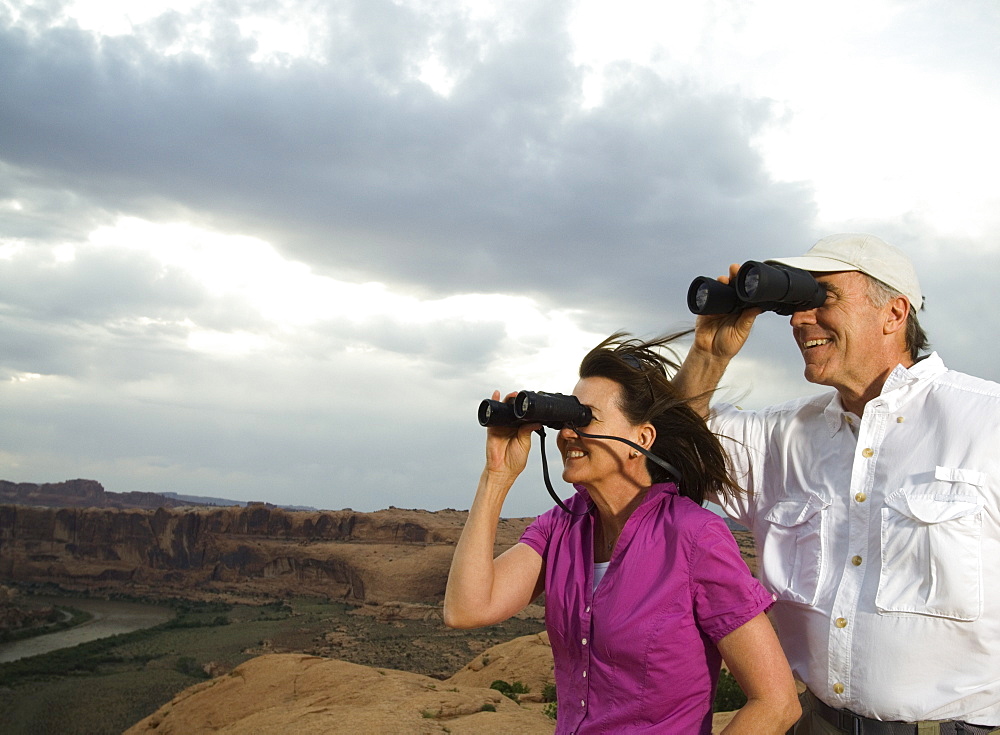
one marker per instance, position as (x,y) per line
(189,666)
(509,690)
(549,710)
(488,707)
(549,692)
(728,695)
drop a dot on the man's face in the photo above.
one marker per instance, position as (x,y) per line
(842,341)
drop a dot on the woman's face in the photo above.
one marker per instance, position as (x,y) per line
(594,461)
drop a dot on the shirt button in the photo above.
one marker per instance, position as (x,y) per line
(856,561)
(588,609)
(584,641)
(582,703)
(584,674)
(867,452)
(838,688)
(840,622)
(899,419)
(861,497)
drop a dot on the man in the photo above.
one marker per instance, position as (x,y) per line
(875,507)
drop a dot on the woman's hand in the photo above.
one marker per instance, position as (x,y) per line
(507,447)
(482,590)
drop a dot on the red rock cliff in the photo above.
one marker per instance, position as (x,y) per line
(389,555)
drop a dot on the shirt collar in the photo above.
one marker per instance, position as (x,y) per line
(927,367)
(924,369)
(834,413)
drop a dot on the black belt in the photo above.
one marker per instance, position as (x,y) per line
(858,725)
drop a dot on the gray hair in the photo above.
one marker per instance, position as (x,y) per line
(916,339)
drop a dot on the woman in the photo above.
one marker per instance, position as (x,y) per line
(645,590)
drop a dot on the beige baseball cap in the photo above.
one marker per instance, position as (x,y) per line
(865,253)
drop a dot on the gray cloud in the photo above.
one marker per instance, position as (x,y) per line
(356,168)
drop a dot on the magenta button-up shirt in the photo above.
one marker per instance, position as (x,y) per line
(638,654)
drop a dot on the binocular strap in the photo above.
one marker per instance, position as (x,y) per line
(548,484)
(649,455)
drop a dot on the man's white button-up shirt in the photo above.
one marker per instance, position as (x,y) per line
(880,536)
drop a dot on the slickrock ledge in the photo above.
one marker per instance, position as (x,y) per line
(293,692)
(308,694)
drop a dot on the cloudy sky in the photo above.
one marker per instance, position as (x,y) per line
(280,249)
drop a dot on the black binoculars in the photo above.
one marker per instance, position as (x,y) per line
(553,410)
(778,288)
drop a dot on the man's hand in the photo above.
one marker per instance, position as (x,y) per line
(723,335)
(717,340)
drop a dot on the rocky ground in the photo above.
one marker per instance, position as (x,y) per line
(307,694)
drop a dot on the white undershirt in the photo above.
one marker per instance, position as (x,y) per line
(600,567)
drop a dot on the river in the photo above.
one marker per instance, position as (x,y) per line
(110,617)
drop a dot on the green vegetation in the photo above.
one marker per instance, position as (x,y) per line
(90,657)
(509,690)
(549,692)
(105,686)
(61,618)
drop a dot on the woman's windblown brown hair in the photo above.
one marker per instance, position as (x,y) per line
(682,437)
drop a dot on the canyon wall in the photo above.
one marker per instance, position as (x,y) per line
(257,551)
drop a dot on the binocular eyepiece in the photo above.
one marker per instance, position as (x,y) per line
(778,288)
(553,410)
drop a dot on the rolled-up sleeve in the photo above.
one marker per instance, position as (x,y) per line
(538,533)
(725,595)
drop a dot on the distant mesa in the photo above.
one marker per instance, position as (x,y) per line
(79,494)
(202,500)
(91,494)
(734,525)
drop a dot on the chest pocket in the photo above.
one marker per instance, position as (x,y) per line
(792,558)
(931,548)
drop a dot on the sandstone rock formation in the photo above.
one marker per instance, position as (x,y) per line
(527,659)
(257,551)
(307,694)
